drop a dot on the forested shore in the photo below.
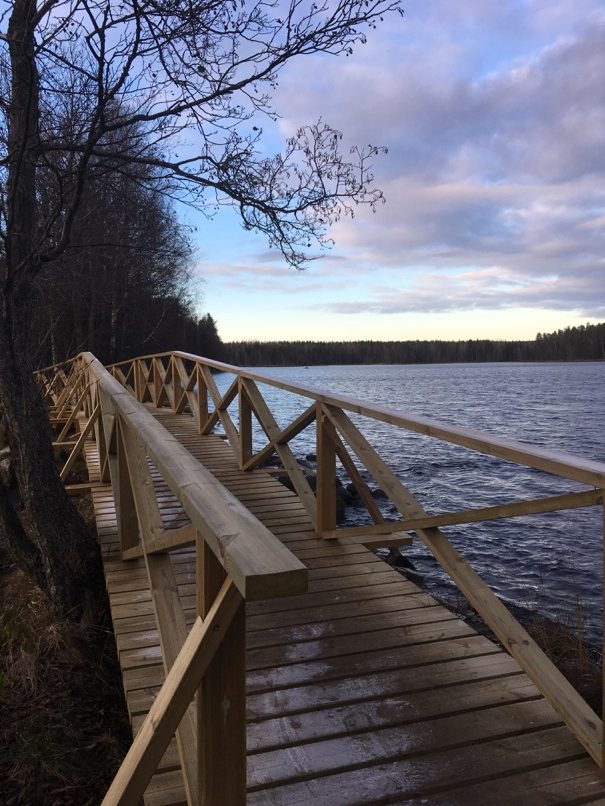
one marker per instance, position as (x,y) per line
(583,343)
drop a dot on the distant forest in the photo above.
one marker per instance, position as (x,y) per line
(583,343)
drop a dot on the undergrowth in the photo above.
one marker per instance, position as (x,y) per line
(63,722)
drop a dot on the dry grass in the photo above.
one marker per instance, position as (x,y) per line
(564,642)
(63,722)
(566,645)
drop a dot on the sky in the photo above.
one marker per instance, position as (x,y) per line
(493,114)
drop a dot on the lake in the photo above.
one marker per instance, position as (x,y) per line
(548,563)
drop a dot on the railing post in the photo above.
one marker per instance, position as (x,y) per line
(139,381)
(221,700)
(175,379)
(245,425)
(202,399)
(156,363)
(326,473)
(101,447)
(126,516)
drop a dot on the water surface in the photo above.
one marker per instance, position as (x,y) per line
(545,562)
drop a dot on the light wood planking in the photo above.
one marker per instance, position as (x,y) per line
(362,689)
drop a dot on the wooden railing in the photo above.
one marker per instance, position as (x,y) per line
(186,383)
(237,558)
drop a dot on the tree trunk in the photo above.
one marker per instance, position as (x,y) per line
(39,526)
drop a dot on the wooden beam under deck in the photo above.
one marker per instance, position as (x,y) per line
(362,690)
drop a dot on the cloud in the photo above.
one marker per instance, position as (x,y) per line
(494,115)
(540,117)
(493,289)
(255,277)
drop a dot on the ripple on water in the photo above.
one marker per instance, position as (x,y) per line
(546,562)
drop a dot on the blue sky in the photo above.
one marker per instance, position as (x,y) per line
(494,224)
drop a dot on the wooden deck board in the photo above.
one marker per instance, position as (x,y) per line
(362,690)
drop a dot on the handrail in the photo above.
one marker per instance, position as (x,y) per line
(563,464)
(237,559)
(184,382)
(259,564)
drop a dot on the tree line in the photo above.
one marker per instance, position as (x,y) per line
(122,286)
(582,343)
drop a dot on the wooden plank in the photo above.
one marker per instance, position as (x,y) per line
(172,701)
(308,546)
(370,640)
(170,383)
(399,709)
(272,430)
(376,566)
(344,559)
(168,539)
(105,441)
(82,488)
(360,534)
(164,595)
(419,776)
(141,685)
(584,723)
(245,426)
(557,783)
(202,400)
(326,474)
(299,424)
(188,394)
(294,520)
(157,375)
(382,745)
(70,389)
(221,403)
(377,685)
(330,613)
(221,715)
(127,522)
(142,608)
(322,636)
(145,375)
(554,503)
(124,378)
(395,586)
(72,417)
(263,678)
(362,488)
(395,540)
(166,789)
(77,449)
(273,506)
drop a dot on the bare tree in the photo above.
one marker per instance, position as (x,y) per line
(129,259)
(131,77)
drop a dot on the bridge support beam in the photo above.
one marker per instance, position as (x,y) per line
(221,701)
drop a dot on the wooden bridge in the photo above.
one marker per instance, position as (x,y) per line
(270,657)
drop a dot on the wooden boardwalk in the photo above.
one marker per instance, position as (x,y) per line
(364,689)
